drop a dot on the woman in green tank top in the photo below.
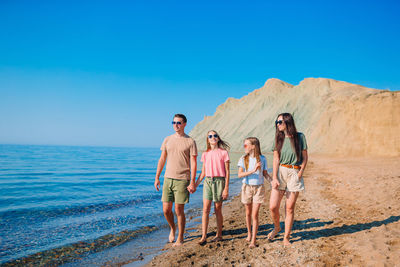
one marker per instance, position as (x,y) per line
(290,160)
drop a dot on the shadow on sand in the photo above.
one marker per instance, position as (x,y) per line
(341,230)
(300,229)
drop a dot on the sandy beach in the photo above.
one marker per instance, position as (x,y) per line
(349,215)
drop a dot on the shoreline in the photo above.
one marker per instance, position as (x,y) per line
(348,215)
(101,251)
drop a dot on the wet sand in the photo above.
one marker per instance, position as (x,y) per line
(349,215)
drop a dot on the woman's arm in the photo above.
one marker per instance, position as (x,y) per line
(304,164)
(275,166)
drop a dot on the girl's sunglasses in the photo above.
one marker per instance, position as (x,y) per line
(245,146)
(279,122)
(177,122)
(211,136)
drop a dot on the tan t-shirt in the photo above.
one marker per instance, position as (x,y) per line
(179,149)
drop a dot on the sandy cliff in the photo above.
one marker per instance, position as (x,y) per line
(337,117)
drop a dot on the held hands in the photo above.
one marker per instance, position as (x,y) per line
(275,183)
(191,188)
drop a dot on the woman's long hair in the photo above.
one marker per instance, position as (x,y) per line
(221,144)
(292,132)
(257,151)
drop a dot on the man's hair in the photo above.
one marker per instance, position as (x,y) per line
(183,117)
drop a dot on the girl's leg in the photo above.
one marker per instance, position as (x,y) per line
(254,215)
(274,204)
(220,219)
(205,219)
(248,220)
(291,198)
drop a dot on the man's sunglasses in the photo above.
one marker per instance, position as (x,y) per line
(279,122)
(211,136)
(177,122)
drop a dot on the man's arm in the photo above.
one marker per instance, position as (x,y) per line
(160,167)
(193,169)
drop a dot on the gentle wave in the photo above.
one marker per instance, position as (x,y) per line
(28,174)
(52,196)
(68,211)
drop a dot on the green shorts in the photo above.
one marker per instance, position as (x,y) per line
(213,188)
(174,190)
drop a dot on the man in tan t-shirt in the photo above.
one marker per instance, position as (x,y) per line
(180,152)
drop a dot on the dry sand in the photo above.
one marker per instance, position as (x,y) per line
(349,215)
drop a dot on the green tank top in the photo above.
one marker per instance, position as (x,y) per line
(288,155)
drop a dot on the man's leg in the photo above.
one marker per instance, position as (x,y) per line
(167,209)
(180,214)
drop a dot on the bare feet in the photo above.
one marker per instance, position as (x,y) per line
(171,237)
(286,241)
(273,233)
(248,239)
(252,245)
(202,241)
(177,243)
(216,239)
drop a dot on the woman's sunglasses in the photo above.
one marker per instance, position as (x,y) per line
(177,122)
(279,122)
(213,135)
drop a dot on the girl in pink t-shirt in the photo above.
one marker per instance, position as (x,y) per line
(216,185)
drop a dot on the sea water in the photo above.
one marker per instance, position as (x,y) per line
(54,196)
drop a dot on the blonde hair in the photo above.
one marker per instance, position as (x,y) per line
(257,151)
(221,144)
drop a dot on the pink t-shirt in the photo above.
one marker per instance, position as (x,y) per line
(214,162)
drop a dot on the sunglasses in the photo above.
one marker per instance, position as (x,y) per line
(245,146)
(177,122)
(211,136)
(279,122)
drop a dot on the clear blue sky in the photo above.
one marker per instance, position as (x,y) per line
(113,73)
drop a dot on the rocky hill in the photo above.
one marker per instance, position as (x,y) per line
(337,117)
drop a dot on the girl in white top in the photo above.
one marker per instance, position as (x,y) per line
(253,169)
